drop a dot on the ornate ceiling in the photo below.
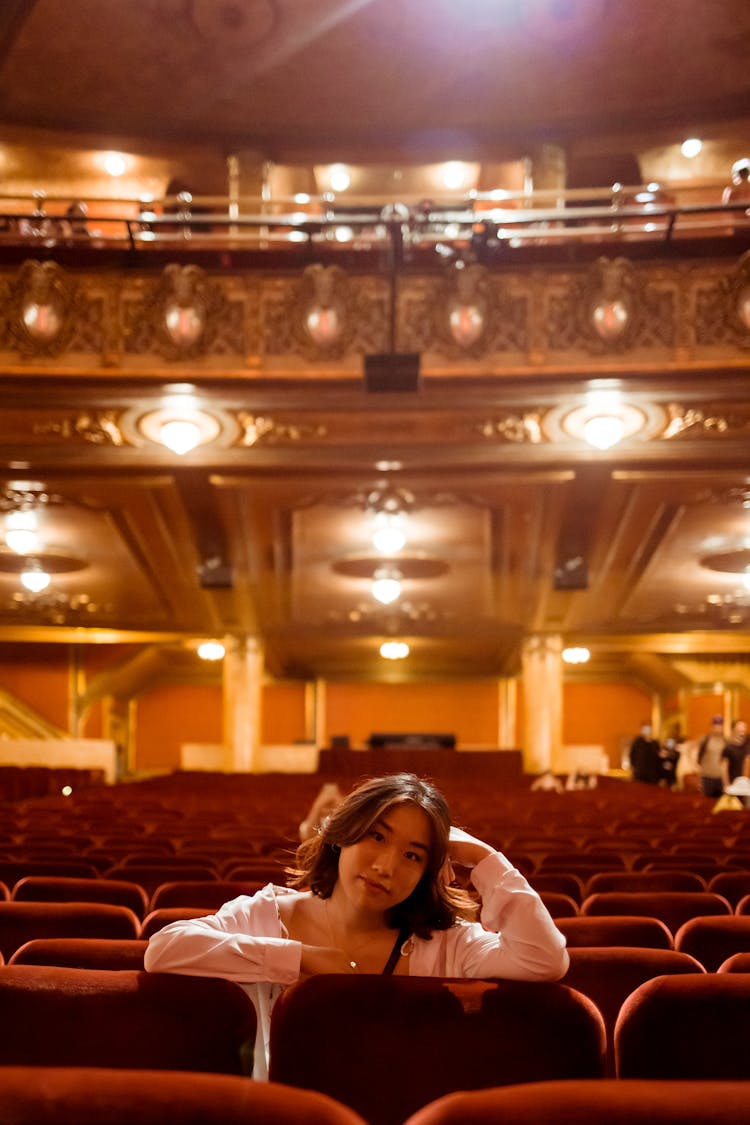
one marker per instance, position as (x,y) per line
(515,524)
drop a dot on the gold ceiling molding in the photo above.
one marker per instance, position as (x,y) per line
(256,428)
(98,429)
(516,428)
(705,422)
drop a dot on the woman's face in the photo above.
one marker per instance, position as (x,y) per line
(383,868)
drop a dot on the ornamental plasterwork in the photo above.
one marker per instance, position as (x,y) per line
(467,314)
(256,428)
(516,428)
(738,297)
(703,422)
(324,313)
(323,316)
(40,309)
(98,429)
(183,315)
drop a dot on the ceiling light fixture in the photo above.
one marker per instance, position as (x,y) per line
(394,650)
(604,430)
(114,163)
(386,587)
(691,147)
(34,579)
(211,650)
(179,427)
(389,536)
(21,531)
(339,177)
(576,655)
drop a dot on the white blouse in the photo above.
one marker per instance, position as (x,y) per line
(245,941)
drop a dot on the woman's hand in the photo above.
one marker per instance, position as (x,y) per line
(466,850)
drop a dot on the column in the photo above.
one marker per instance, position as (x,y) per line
(541,660)
(243,682)
(507,717)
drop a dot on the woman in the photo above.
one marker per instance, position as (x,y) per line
(372,893)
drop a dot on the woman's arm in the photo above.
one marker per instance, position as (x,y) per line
(516,938)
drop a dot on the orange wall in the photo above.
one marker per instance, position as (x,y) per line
(172,715)
(468,710)
(38,675)
(603,714)
(283,719)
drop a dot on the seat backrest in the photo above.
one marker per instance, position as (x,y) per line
(559,906)
(608,974)
(426,1036)
(689,1027)
(644,881)
(11,870)
(616,929)
(733,885)
(737,963)
(609,1100)
(61,888)
(712,939)
(22,921)
(209,894)
(52,1016)
(102,1096)
(671,907)
(82,953)
(4,892)
(151,875)
(559,882)
(158,919)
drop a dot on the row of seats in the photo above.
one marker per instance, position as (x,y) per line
(36,1095)
(450,1035)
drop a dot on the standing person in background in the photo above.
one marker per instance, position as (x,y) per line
(737,750)
(328,799)
(669,755)
(645,761)
(712,759)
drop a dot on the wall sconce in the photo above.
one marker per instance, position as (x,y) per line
(386,586)
(394,650)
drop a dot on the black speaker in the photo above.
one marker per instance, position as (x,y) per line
(392,372)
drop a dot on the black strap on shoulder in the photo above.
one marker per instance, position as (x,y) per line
(390,965)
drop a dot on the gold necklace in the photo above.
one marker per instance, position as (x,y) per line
(348,953)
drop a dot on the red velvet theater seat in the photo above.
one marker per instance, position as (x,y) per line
(157,1021)
(408,1040)
(608,974)
(711,940)
(22,921)
(82,953)
(88,1096)
(603,1102)
(617,929)
(59,888)
(686,1027)
(671,907)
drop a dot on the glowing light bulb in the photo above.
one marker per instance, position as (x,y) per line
(211,650)
(339,177)
(576,655)
(691,147)
(180,435)
(21,532)
(386,588)
(603,431)
(394,650)
(389,535)
(35,580)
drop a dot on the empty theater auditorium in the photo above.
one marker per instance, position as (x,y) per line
(374,562)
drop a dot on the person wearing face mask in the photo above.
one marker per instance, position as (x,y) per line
(645,758)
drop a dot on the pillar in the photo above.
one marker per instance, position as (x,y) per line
(243,682)
(541,660)
(507,714)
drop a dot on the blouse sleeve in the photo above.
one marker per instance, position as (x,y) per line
(241,942)
(516,938)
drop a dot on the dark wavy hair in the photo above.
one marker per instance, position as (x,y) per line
(432,905)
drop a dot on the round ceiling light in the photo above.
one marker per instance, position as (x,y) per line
(394,650)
